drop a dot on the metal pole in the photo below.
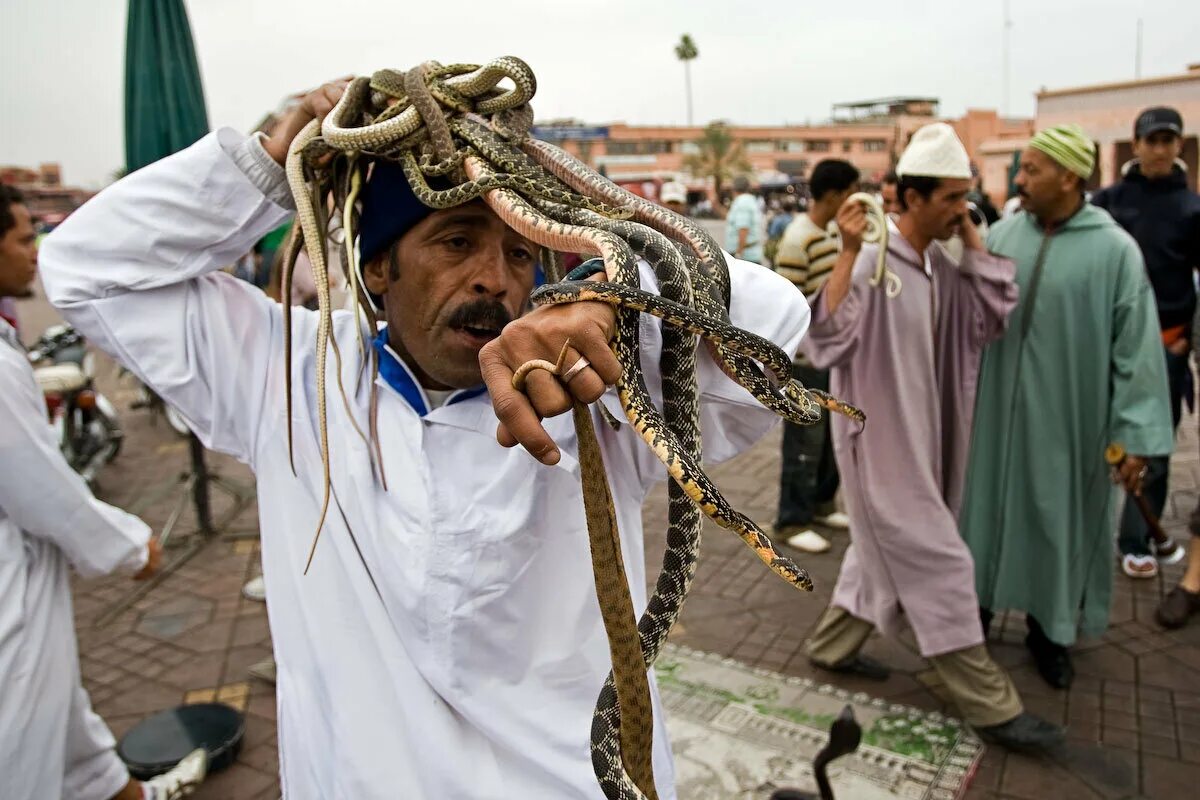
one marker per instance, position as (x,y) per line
(200,485)
(1137,60)
(1007,26)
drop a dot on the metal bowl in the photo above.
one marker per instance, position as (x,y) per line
(158,743)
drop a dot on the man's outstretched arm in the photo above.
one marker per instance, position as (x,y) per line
(45,498)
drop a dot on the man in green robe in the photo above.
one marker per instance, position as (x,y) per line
(1079,368)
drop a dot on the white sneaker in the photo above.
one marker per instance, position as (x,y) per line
(255,589)
(809,542)
(182,780)
(1139,566)
(264,670)
(1169,552)
(837,520)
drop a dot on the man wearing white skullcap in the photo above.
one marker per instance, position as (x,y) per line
(1081,369)
(906,349)
(674,196)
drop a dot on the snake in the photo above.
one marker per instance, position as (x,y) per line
(461,135)
(876,232)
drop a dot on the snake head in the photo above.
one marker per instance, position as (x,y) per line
(792,573)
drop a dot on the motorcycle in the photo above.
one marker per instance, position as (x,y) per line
(89,432)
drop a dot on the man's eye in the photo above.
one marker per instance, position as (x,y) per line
(458,242)
(522,253)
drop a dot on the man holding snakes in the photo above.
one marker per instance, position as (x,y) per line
(446,640)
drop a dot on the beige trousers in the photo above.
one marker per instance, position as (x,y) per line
(980,687)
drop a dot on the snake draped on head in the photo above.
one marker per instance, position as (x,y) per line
(464,129)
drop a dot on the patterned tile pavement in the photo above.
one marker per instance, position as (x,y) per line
(1133,713)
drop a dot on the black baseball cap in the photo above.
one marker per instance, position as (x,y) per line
(1159,118)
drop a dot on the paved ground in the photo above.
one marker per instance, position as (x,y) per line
(1133,714)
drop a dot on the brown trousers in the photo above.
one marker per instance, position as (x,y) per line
(980,687)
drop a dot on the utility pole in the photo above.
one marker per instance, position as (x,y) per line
(1137,60)
(1007,27)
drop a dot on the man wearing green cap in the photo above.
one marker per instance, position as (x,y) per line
(1079,368)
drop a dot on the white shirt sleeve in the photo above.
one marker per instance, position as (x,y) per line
(45,498)
(135,270)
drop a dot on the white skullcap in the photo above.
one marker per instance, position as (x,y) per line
(935,152)
(673,192)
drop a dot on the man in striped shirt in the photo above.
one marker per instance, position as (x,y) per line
(808,252)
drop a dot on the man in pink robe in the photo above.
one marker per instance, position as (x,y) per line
(908,352)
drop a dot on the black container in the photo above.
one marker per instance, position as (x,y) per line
(158,743)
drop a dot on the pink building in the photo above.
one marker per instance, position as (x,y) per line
(869,134)
(1106,111)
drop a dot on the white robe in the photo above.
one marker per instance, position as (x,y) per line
(453,647)
(51,742)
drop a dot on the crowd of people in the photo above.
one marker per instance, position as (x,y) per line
(449,609)
(1016,363)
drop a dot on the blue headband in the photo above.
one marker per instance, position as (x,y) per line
(389,210)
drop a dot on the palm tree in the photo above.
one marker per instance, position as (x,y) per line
(685,51)
(718,156)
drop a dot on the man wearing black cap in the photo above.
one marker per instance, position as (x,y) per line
(446,641)
(1153,203)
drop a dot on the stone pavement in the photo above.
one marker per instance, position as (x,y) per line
(1133,713)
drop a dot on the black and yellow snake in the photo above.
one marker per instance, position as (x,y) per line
(458,124)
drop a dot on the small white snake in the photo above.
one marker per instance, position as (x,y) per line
(877,233)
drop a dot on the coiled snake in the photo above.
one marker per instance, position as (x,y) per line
(877,233)
(458,124)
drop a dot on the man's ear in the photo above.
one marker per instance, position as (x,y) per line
(375,274)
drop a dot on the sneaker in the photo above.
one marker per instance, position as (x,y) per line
(808,542)
(1177,607)
(181,780)
(837,520)
(1139,566)
(1025,733)
(1169,552)
(255,590)
(264,670)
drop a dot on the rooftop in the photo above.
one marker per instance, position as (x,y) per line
(1192,74)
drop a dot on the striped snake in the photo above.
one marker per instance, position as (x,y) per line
(459,135)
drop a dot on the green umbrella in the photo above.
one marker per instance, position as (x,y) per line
(164,99)
(164,113)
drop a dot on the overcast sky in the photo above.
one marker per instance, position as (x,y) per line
(769,62)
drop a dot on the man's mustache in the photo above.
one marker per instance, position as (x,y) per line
(482,314)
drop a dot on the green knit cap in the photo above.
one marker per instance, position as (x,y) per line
(1069,146)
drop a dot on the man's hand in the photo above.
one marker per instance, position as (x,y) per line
(153,560)
(1130,474)
(969,233)
(1179,347)
(541,334)
(852,224)
(315,105)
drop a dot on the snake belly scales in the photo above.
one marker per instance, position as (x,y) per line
(459,124)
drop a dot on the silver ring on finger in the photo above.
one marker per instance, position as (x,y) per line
(576,368)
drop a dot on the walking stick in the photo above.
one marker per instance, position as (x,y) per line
(1167,547)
